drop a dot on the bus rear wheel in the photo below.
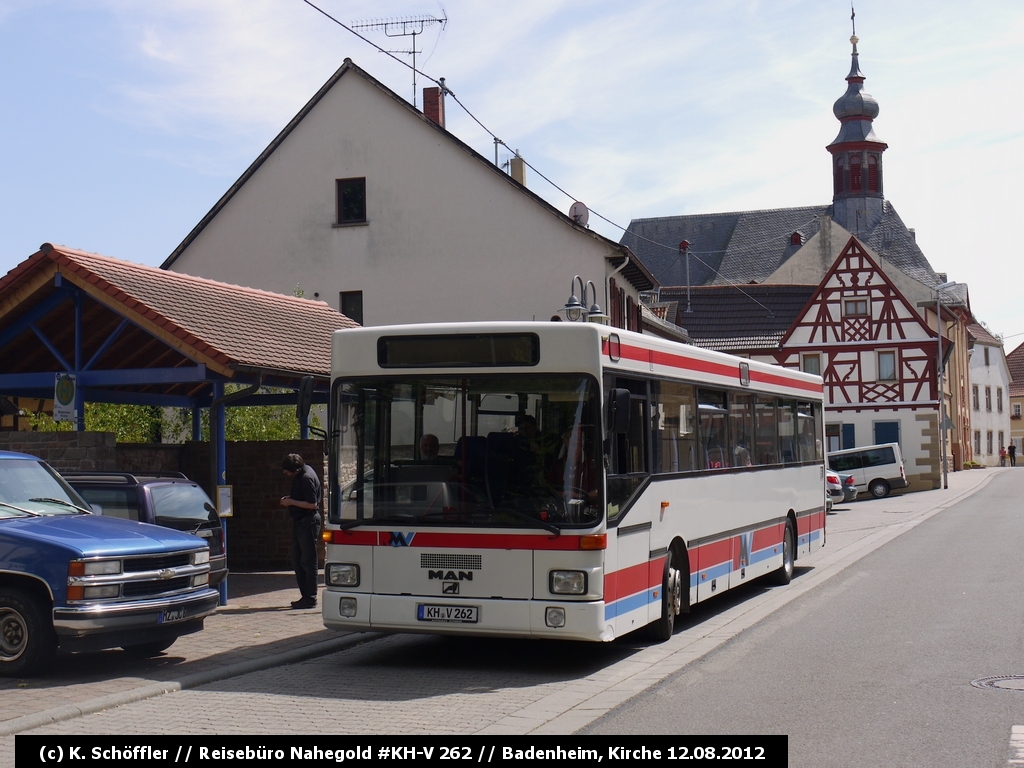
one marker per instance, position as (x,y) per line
(661,629)
(784,574)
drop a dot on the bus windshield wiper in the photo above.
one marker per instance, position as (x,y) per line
(28,512)
(63,503)
(536,522)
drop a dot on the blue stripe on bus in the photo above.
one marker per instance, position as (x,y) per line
(631,603)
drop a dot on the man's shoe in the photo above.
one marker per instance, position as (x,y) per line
(304,602)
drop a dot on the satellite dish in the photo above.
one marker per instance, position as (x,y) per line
(578,212)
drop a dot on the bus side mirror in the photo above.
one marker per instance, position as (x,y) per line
(305,400)
(618,411)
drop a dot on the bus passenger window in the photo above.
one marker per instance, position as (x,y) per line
(766,450)
(741,426)
(673,430)
(714,429)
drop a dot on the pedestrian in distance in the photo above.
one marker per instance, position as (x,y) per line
(1002,456)
(303,502)
(1012,452)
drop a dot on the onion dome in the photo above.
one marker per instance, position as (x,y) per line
(855,109)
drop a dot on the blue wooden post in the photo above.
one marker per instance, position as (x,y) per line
(79,389)
(219,444)
(197,420)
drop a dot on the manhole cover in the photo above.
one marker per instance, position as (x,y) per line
(1005,682)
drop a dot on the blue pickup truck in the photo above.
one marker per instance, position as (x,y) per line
(75,581)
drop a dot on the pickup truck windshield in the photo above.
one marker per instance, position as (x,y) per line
(33,487)
(480,451)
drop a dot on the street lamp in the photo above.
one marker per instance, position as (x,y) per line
(942,388)
(586,307)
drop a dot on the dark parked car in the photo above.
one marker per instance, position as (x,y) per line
(849,483)
(169,499)
(76,581)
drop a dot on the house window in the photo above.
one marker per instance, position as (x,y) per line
(1002,440)
(887,366)
(988,398)
(988,442)
(811,363)
(833,437)
(977,442)
(855,182)
(986,355)
(352,305)
(999,399)
(837,179)
(855,308)
(351,201)
(1016,410)
(974,397)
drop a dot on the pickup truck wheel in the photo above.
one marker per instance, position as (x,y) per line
(145,650)
(27,639)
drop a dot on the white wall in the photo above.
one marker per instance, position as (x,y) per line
(447,238)
(996,376)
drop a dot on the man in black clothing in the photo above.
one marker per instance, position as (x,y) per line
(1012,450)
(304,504)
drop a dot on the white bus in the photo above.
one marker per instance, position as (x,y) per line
(560,480)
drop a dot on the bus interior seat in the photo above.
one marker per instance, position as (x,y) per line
(471,451)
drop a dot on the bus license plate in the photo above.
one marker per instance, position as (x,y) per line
(460,614)
(171,616)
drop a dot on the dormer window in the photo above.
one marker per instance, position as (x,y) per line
(796,239)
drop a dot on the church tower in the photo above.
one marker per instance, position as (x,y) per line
(857,197)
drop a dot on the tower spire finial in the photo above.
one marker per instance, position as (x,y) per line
(853,18)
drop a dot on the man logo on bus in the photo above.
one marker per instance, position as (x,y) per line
(399,539)
(450,575)
(449,588)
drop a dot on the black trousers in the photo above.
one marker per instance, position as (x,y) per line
(304,534)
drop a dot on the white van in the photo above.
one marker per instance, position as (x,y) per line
(875,468)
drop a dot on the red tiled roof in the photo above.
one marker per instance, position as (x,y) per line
(227,324)
(978,332)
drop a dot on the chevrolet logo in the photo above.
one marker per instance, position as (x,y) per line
(165,573)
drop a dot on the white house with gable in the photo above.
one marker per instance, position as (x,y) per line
(372,206)
(990,395)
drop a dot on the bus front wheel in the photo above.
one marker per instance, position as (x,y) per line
(661,629)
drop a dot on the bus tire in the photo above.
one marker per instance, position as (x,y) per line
(661,629)
(784,574)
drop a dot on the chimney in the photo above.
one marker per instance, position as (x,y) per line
(518,168)
(433,105)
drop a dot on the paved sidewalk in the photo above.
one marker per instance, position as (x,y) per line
(256,630)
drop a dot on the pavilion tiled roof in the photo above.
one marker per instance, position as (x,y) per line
(227,325)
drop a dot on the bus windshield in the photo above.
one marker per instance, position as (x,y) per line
(478,451)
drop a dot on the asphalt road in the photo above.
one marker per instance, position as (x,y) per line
(875,666)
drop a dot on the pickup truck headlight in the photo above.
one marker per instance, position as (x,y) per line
(343,574)
(201,558)
(94,567)
(97,593)
(567,582)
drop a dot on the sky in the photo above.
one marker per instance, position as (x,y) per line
(124,121)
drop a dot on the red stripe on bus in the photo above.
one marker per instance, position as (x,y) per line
(766,537)
(455,540)
(635,578)
(670,360)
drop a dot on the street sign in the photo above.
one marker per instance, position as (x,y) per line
(64,398)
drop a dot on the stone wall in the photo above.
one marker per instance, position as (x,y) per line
(259,533)
(65,451)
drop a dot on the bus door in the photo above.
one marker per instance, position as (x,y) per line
(627,575)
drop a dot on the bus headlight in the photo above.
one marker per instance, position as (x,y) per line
(343,574)
(347,607)
(554,617)
(567,582)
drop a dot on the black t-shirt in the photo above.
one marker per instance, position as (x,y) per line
(305,487)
